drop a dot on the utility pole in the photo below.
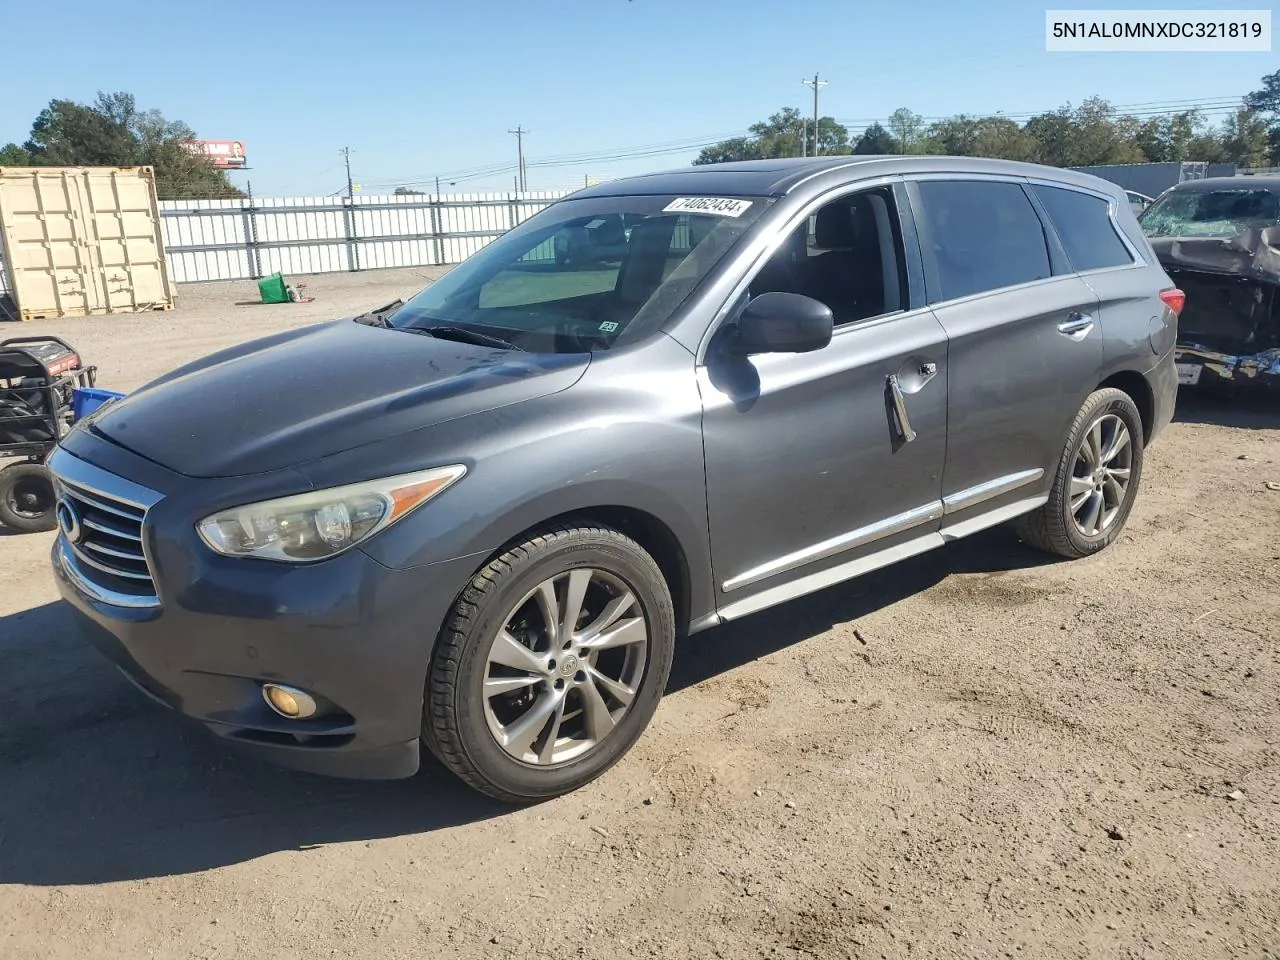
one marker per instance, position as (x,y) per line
(817,85)
(346,156)
(522,182)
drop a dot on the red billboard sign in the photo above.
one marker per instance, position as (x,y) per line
(222,153)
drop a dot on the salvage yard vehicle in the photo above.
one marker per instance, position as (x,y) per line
(39,377)
(1219,240)
(1138,201)
(479,520)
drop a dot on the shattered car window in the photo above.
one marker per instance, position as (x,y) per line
(1211,213)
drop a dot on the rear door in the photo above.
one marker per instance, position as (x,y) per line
(1025,343)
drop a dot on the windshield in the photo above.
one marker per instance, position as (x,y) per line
(584,274)
(1211,213)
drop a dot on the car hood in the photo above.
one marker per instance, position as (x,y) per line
(1254,254)
(305,394)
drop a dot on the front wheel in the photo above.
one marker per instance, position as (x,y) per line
(1096,481)
(551,664)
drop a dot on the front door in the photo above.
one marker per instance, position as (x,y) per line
(820,461)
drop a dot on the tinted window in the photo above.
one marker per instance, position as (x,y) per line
(1084,225)
(848,255)
(983,236)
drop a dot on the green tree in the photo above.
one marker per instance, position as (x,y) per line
(906,128)
(1175,137)
(738,148)
(1266,102)
(1085,135)
(783,135)
(1246,139)
(112,131)
(12,155)
(875,141)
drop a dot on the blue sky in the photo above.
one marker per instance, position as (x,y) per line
(427,88)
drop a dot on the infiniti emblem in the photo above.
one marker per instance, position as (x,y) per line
(69,521)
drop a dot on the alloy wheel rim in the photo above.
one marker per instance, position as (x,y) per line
(1100,475)
(565,667)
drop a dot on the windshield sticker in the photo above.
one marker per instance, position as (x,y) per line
(608,327)
(717,206)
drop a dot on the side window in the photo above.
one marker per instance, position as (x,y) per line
(848,254)
(1084,225)
(982,235)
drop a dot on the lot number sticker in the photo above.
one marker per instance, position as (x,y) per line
(716,206)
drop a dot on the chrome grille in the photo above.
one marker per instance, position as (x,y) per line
(100,517)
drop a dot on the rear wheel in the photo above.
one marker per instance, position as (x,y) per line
(1096,481)
(551,664)
(26,498)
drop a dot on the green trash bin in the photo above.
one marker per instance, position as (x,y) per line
(273,289)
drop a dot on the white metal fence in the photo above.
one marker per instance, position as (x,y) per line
(256,237)
(247,239)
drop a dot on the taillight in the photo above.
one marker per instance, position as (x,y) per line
(1174,299)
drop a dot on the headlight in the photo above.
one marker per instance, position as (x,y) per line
(320,524)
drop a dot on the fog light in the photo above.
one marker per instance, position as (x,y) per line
(289,702)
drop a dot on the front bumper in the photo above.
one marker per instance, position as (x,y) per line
(355,634)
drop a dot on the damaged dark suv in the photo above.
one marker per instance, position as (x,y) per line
(1219,241)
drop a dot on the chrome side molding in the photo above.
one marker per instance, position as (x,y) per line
(972,496)
(829,548)
(928,513)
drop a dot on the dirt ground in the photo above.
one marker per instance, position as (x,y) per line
(977,753)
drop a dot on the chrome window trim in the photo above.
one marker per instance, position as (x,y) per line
(767,243)
(1139,260)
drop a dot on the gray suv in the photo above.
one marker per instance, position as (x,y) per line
(479,520)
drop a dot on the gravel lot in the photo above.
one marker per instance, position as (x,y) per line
(976,753)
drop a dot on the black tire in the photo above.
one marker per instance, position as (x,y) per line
(27,502)
(455,726)
(1053,527)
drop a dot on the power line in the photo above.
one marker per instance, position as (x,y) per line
(1139,110)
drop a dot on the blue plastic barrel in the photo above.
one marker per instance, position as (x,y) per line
(85,400)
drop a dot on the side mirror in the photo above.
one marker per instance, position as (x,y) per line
(783,323)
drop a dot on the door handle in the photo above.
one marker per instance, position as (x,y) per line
(1076,327)
(900,409)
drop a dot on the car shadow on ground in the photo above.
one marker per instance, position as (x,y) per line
(98,784)
(1250,411)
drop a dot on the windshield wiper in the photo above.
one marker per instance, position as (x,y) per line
(378,318)
(463,335)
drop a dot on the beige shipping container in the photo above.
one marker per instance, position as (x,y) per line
(81,241)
